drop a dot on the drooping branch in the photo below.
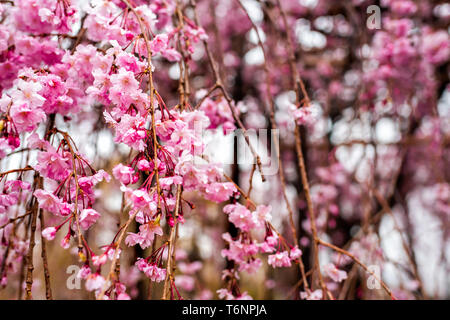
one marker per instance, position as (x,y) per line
(300,87)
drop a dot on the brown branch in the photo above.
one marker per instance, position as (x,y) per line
(219,84)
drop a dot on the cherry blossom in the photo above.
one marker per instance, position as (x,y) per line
(334,273)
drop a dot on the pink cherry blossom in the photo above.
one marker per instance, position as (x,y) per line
(88,217)
(84,272)
(295,253)
(151,270)
(27,92)
(190,268)
(159,43)
(99,260)
(219,191)
(130,130)
(49,233)
(187,283)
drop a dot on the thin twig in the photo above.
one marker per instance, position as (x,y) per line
(219,84)
(29,258)
(28,168)
(112,269)
(348,254)
(300,87)
(171,251)
(48,288)
(276,143)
